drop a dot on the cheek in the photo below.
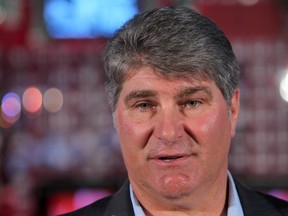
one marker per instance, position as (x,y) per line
(127,130)
(214,129)
(126,140)
(132,134)
(132,138)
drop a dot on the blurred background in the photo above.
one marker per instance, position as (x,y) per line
(58,147)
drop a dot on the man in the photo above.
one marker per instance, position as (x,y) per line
(173,88)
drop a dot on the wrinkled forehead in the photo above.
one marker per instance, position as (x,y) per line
(169,75)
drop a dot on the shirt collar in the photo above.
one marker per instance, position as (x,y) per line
(234,204)
(138,211)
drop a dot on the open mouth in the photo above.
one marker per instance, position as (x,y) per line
(169,158)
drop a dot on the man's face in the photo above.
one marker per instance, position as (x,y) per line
(174,134)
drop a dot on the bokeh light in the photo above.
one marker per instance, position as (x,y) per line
(32,100)
(284,88)
(90,18)
(11,107)
(53,100)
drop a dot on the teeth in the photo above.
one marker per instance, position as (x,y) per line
(166,159)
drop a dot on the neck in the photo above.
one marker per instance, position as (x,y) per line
(206,207)
(212,200)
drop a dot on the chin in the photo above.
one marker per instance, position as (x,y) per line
(175,186)
(177,194)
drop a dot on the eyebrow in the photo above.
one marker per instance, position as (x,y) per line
(193,90)
(140,94)
(185,92)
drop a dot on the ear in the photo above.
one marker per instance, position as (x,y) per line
(235,106)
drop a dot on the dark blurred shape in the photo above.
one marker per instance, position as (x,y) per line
(56,198)
(15,24)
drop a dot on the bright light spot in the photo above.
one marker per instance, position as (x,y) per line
(32,100)
(248,2)
(11,107)
(53,100)
(11,104)
(284,88)
(90,18)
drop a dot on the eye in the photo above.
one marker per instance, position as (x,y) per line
(143,106)
(192,104)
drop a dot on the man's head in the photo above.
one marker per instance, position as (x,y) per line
(172,83)
(176,42)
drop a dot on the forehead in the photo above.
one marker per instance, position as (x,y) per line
(148,77)
(166,75)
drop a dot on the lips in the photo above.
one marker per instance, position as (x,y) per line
(171,161)
(169,158)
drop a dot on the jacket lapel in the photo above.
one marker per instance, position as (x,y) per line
(253,203)
(120,203)
(257,204)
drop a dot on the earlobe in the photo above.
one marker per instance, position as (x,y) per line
(235,106)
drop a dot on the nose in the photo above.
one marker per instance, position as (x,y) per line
(169,125)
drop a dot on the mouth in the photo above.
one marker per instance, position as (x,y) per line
(170,158)
(175,159)
(175,156)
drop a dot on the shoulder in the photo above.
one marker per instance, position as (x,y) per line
(256,203)
(96,208)
(118,204)
(273,199)
(274,202)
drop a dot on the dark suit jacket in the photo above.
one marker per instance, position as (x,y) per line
(119,204)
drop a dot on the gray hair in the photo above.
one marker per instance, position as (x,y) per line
(174,42)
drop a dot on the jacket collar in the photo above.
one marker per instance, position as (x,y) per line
(120,203)
(253,203)
(258,204)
